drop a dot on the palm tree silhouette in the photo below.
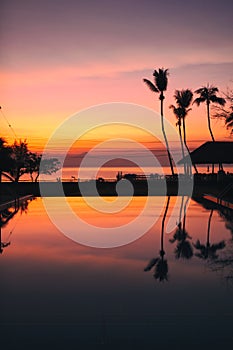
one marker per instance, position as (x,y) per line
(160,264)
(178,113)
(183,100)
(208,251)
(207,94)
(183,249)
(159,86)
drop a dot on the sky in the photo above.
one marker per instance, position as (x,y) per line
(59,57)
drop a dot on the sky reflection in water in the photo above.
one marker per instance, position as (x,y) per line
(57,292)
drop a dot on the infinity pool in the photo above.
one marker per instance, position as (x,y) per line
(169,290)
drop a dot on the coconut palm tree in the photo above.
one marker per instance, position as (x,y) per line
(159,86)
(178,113)
(207,94)
(183,100)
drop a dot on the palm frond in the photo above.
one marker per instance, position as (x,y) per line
(151,263)
(199,100)
(150,85)
(176,111)
(212,90)
(217,246)
(200,90)
(183,97)
(219,100)
(161,79)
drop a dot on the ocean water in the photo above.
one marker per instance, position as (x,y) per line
(72,173)
(57,293)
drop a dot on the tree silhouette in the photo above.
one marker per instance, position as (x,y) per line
(159,86)
(48,166)
(208,251)
(229,121)
(226,112)
(21,158)
(183,100)
(207,94)
(183,248)
(38,165)
(160,264)
(6,161)
(17,160)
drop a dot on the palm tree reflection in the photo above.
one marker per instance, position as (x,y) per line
(208,251)
(183,248)
(160,264)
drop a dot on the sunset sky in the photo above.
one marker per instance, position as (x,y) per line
(58,57)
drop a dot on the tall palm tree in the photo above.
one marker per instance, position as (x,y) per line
(159,86)
(183,100)
(207,94)
(178,113)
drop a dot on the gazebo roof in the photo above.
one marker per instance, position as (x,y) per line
(212,153)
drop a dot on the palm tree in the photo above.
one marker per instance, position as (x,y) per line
(183,100)
(159,86)
(21,157)
(207,94)
(178,113)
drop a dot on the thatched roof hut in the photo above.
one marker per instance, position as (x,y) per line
(218,152)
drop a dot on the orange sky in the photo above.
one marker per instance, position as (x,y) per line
(57,61)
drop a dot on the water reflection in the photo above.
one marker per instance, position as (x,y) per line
(69,296)
(183,248)
(160,264)
(7,214)
(208,250)
(224,264)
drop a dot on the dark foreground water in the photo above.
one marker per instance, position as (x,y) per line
(57,294)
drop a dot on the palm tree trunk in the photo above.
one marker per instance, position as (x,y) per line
(165,136)
(182,146)
(185,142)
(208,117)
